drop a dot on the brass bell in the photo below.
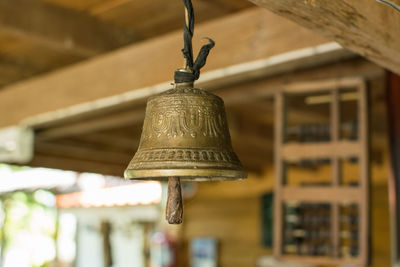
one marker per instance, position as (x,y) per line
(185,134)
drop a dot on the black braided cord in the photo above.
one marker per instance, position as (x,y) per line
(187,51)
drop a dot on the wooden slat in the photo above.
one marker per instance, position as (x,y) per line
(79,165)
(93,125)
(21,59)
(157,17)
(318,260)
(81,152)
(364,205)
(323,85)
(279,173)
(60,28)
(321,194)
(110,140)
(294,152)
(367,27)
(336,173)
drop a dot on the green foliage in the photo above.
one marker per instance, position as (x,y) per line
(26,219)
(13,167)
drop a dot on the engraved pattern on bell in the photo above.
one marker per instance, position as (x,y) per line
(185,134)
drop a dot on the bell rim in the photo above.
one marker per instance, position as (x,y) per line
(186,174)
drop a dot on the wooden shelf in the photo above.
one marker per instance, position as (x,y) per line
(319,194)
(334,193)
(299,151)
(321,260)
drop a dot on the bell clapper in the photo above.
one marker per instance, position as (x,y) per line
(174,212)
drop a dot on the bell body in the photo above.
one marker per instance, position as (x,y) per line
(185,134)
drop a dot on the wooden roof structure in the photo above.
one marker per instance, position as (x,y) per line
(38,36)
(78,72)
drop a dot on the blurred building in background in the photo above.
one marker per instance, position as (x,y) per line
(63,218)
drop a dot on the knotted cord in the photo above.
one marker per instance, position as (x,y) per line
(187,51)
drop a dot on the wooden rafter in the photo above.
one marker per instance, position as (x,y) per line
(366,27)
(81,152)
(80,165)
(60,28)
(89,126)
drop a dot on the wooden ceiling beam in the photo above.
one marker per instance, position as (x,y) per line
(153,62)
(366,27)
(82,152)
(111,140)
(79,165)
(94,125)
(60,28)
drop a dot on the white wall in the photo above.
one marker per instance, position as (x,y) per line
(89,244)
(127,249)
(126,234)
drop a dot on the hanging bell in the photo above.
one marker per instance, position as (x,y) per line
(185,134)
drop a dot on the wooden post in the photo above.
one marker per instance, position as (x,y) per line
(147,228)
(393,100)
(335,165)
(107,252)
(279,172)
(364,174)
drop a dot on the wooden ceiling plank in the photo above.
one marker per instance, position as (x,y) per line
(79,165)
(82,152)
(93,125)
(120,142)
(366,27)
(60,28)
(105,6)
